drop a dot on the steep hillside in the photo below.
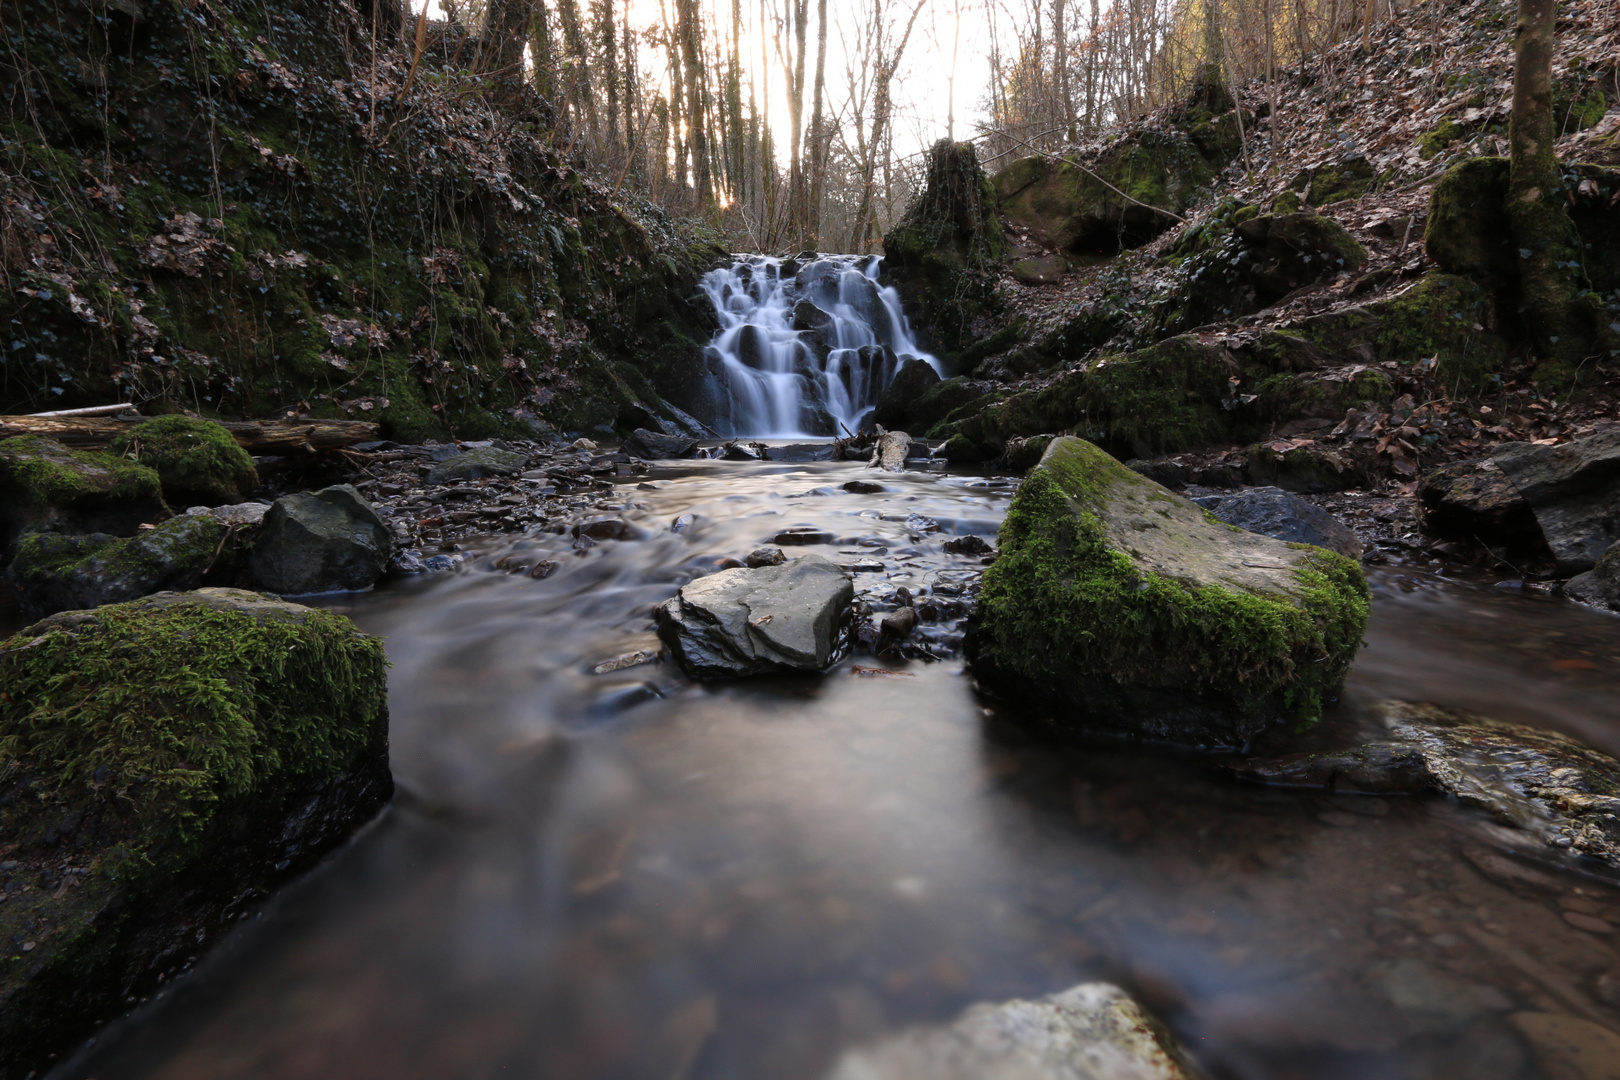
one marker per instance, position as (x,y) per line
(1307,284)
(243,210)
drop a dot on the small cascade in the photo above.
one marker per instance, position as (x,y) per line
(805,347)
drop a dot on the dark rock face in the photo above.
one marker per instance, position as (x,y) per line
(1574,490)
(1475,501)
(912,381)
(652,446)
(291,706)
(794,616)
(476,465)
(320,541)
(1116,607)
(54,573)
(1599,587)
(1294,250)
(1283,515)
(45,487)
(807,316)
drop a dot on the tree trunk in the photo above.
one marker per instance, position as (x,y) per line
(1550,279)
(818,137)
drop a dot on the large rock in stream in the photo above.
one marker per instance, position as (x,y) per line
(321,541)
(166,762)
(1119,608)
(790,617)
(1093,1031)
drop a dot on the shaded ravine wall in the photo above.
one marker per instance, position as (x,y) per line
(218,203)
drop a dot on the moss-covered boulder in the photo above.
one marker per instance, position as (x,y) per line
(198,461)
(1468,230)
(1120,608)
(162,764)
(940,255)
(46,487)
(54,573)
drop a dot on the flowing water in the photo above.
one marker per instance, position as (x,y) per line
(806,347)
(632,876)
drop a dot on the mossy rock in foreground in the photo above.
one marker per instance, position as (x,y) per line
(199,461)
(1119,608)
(46,487)
(163,763)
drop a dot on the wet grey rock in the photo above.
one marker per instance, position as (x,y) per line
(863,487)
(1574,490)
(1093,1031)
(476,465)
(242,515)
(801,452)
(652,446)
(807,316)
(1372,769)
(604,528)
(967,545)
(910,383)
(1433,1000)
(765,556)
(1599,587)
(320,541)
(801,535)
(1282,515)
(54,573)
(792,617)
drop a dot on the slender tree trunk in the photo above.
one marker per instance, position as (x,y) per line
(690,33)
(818,134)
(1060,61)
(1550,277)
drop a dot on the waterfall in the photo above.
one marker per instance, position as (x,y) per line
(805,346)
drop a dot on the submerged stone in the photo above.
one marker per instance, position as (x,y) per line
(320,541)
(46,487)
(788,617)
(184,752)
(1093,1031)
(198,461)
(1120,608)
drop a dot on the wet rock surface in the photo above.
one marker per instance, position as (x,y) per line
(654,446)
(321,541)
(1574,490)
(1555,788)
(477,464)
(1598,587)
(1283,515)
(1093,1031)
(788,617)
(1114,606)
(54,573)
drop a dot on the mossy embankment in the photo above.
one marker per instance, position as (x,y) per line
(239,209)
(162,764)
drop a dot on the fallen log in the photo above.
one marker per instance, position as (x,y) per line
(254,436)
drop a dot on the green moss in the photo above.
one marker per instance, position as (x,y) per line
(43,472)
(1348,179)
(1468,229)
(168,710)
(1448,318)
(1064,606)
(197,460)
(1438,140)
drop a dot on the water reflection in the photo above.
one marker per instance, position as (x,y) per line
(630,876)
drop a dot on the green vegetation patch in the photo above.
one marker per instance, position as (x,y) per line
(197,460)
(42,472)
(164,709)
(1069,611)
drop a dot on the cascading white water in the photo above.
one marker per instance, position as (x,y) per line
(805,347)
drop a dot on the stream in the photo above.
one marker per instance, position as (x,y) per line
(630,876)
